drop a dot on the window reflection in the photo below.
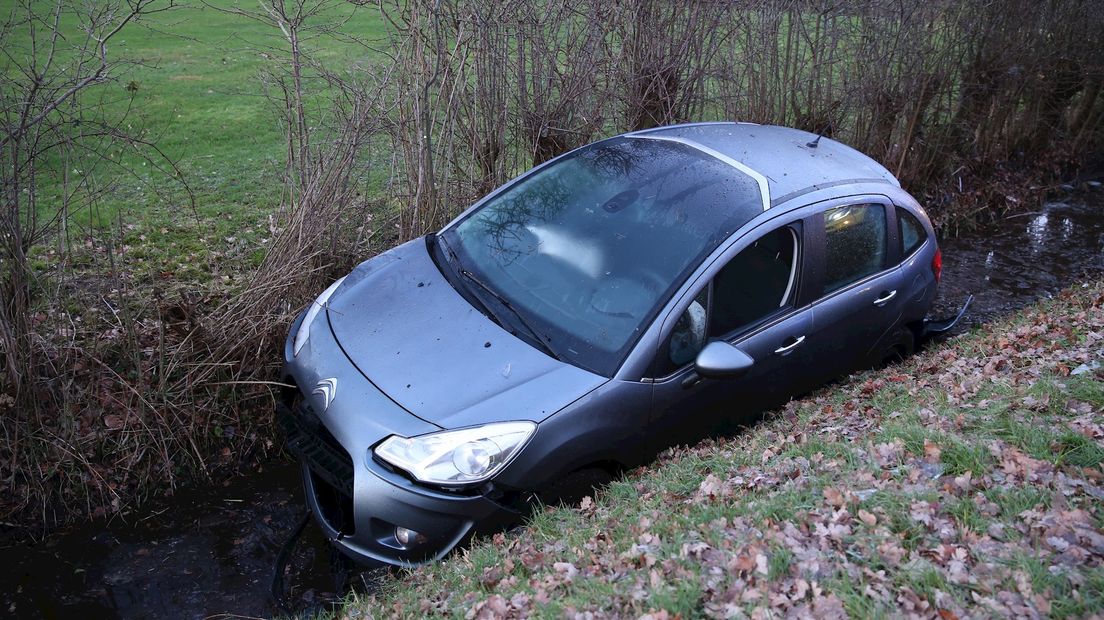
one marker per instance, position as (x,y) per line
(855,244)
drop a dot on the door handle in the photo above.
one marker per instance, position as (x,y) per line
(790,347)
(884,299)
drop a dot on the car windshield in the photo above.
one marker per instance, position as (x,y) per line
(587,249)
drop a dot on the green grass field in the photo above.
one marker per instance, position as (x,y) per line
(189,80)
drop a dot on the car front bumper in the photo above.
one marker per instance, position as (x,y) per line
(359,502)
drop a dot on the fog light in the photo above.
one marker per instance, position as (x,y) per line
(406,536)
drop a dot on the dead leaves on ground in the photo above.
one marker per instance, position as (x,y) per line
(826,512)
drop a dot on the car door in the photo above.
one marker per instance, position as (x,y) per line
(749,301)
(858,309)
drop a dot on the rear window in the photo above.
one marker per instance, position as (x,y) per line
(912,232)
(855,244)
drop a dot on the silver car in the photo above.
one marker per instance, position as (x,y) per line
(639,292)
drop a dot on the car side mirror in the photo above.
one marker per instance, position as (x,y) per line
(721,360)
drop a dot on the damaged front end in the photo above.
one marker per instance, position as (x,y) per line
(377,516)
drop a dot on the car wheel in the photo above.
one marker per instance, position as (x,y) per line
(901,348)
(572,488)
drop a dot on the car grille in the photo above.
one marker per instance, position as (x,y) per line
(330,465)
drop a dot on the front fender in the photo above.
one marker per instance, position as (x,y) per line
(606,425)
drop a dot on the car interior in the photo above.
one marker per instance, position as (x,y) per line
(755,283)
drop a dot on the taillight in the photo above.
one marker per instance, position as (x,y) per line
(937,264)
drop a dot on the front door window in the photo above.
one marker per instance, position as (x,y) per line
(688,337)
(756,284)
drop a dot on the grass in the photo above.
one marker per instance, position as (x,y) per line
(189,79)
(941,486)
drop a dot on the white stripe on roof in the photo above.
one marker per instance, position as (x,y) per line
(761,180)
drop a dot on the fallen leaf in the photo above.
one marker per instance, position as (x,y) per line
(834,497)
(932,451)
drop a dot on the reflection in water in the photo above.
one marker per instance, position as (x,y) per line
(1023,262)
(1067,228)
(1036,231)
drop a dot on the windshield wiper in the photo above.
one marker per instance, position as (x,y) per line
(534,333)
(454,261)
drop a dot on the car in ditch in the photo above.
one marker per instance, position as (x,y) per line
(639,292)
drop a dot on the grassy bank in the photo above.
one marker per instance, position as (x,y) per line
(966,481)
(189,80)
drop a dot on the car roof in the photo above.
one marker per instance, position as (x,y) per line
(784,156)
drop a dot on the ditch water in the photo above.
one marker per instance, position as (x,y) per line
(210,552)
(1024,257)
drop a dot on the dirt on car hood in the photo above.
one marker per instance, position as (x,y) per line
(420,342)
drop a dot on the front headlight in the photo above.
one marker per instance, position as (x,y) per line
(316,306)
(457,457)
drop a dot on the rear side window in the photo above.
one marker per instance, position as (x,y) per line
(855,244)
(912,232)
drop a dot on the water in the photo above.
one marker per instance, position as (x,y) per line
(1022,258)
(211,551)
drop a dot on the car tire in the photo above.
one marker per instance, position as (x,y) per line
(903,346)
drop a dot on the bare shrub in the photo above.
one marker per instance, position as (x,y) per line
(481,89)
(47,120)
(326,169)
(934,90)
(426,53)
(55,133)
(562,65)
(950,96)
(667,50)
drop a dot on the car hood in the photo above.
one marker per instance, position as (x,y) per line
(420,342)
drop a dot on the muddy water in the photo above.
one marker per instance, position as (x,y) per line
(211,551)
(1024,257)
